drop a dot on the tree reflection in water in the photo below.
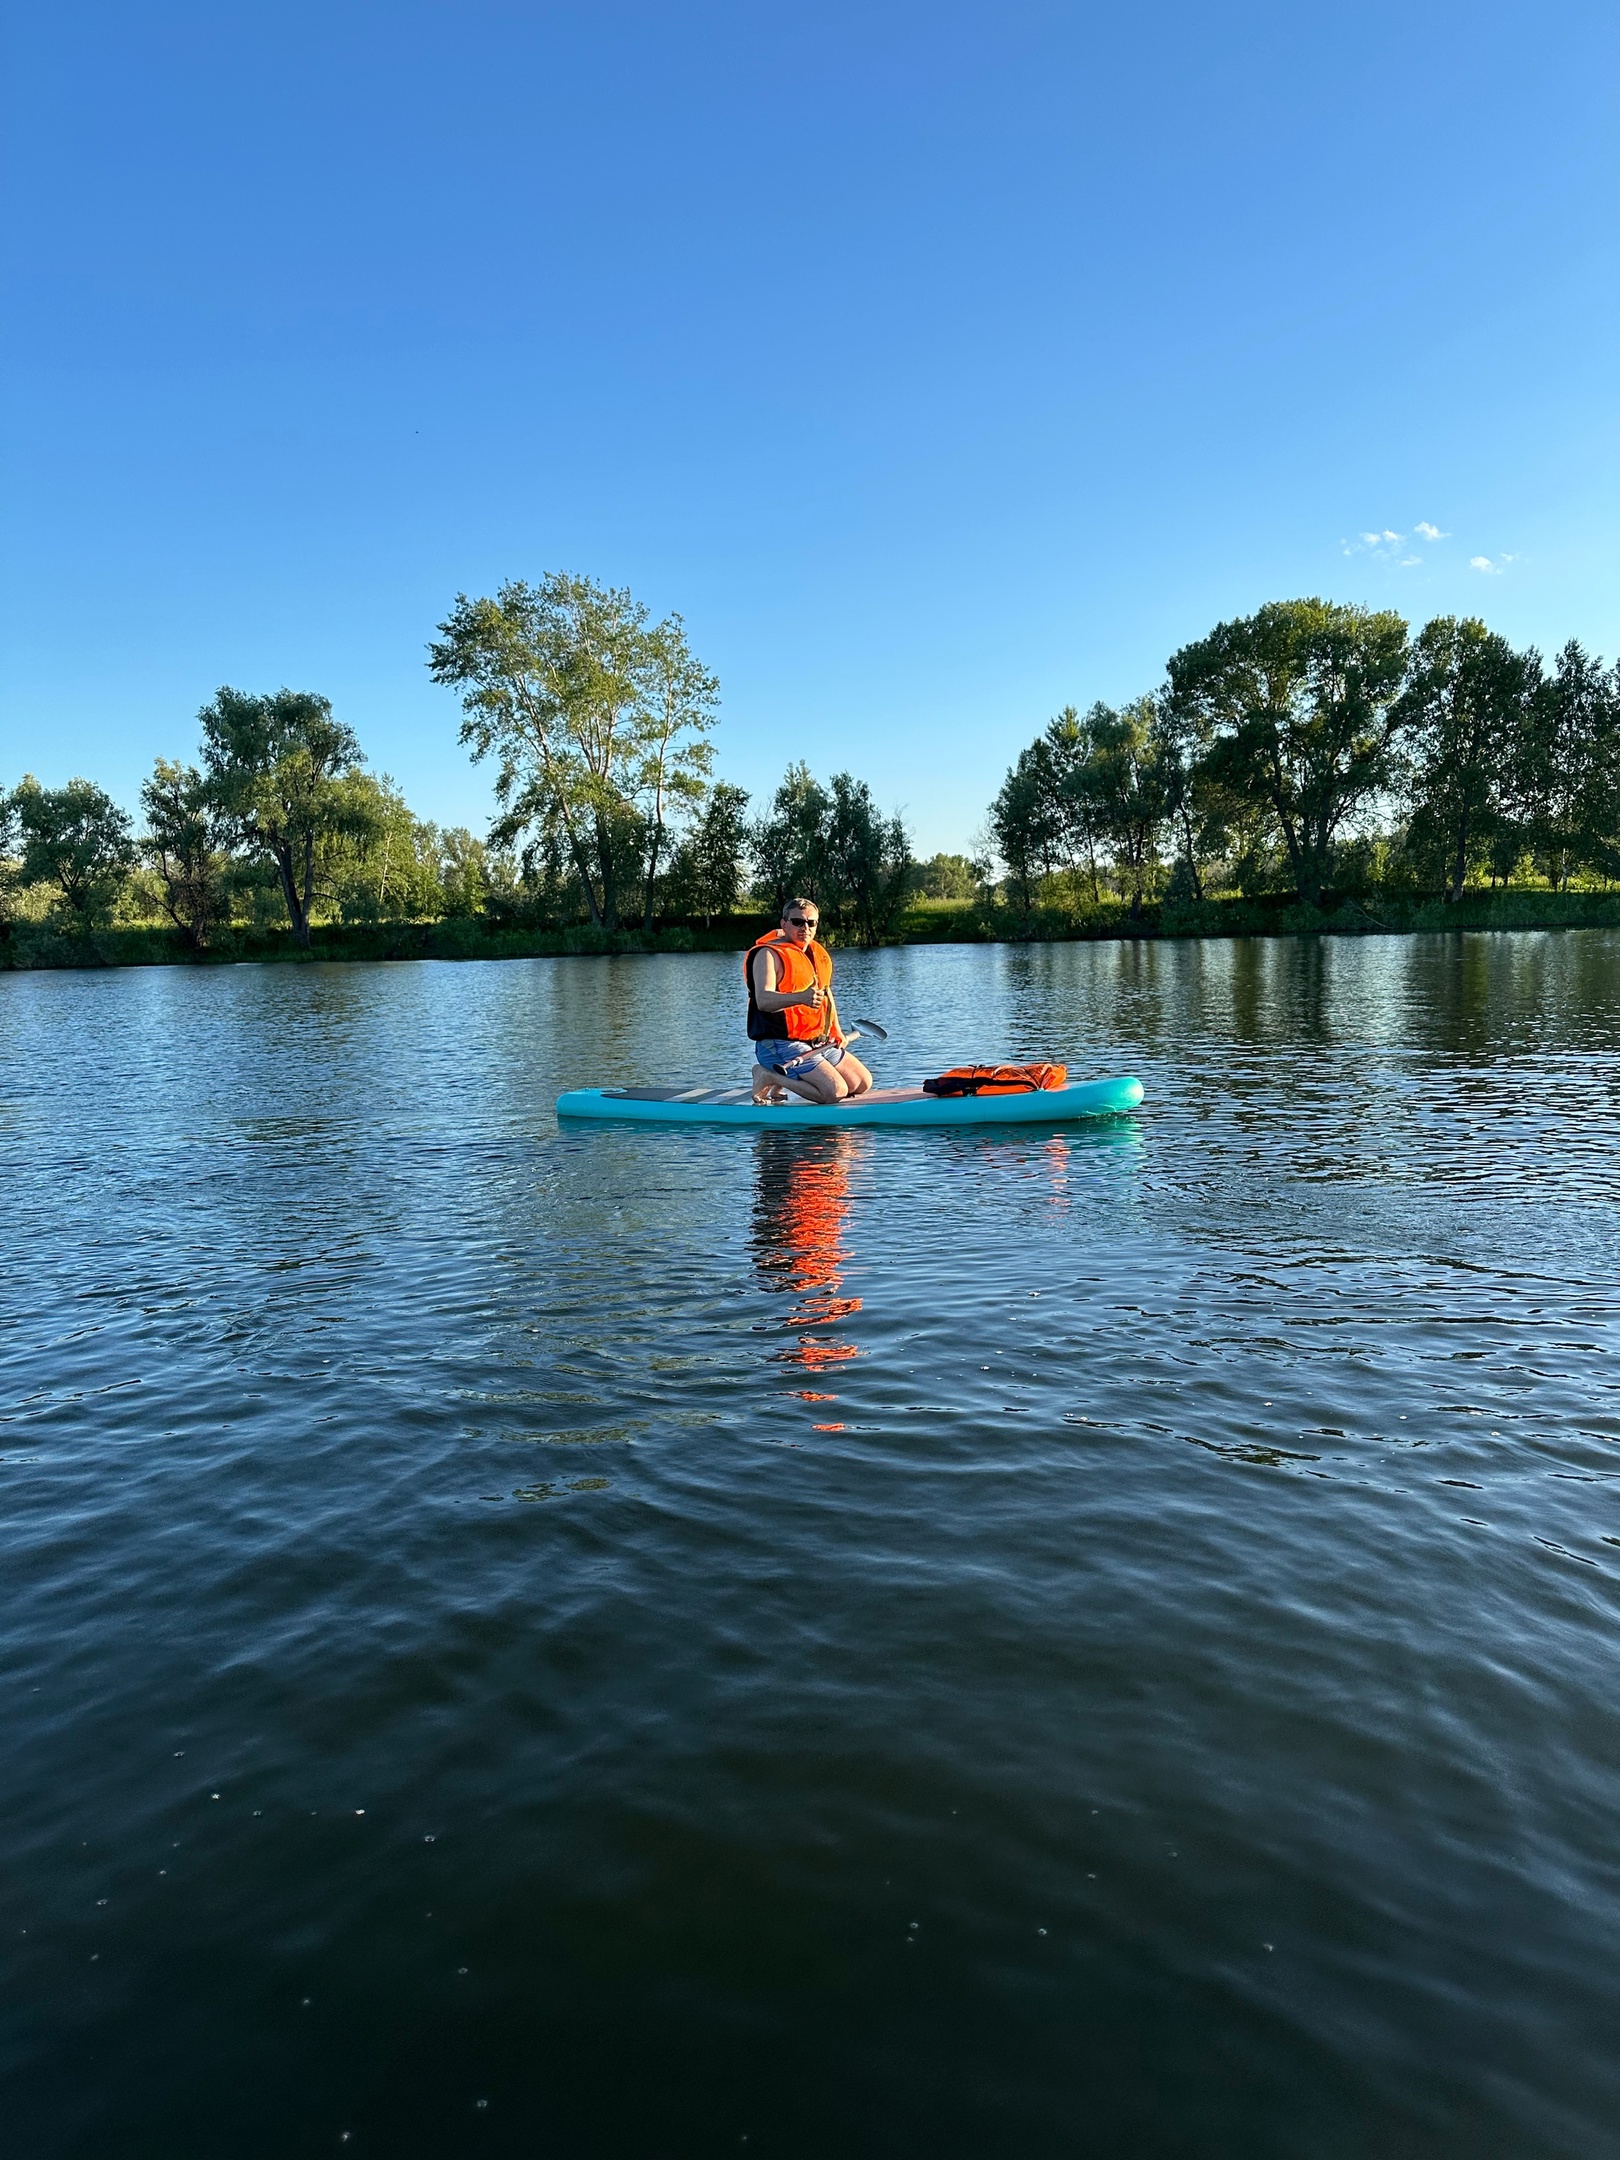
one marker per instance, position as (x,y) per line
(801,1221)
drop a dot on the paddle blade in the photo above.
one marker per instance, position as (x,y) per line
(872,1028)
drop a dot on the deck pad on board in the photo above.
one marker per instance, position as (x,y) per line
(744,1097)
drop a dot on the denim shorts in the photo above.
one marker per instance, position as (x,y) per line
(795,1058)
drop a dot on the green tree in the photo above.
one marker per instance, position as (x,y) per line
(867,858)
(679,696)
(789,843)
(1027,822)
(379,862)
(184,846)
(535,884)
(1201,811)
(1566,782)
(1600,794)
(1300,706)
(597,717)
(1463,714)
(10,863)
(1090,782)
(464,871)
(833,844)
(280,772)
(949,877)
(1118,773)
(77,839)
(1074,827)
(706,874)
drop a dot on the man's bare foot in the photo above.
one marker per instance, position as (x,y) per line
(767,1088)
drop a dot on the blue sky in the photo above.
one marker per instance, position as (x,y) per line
(941,364)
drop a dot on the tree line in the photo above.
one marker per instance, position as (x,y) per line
(598,721)
(276,824)
(1313,746)
(1305,748)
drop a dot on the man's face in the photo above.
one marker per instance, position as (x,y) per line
(800,924)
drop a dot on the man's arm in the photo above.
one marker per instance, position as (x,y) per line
(766,995)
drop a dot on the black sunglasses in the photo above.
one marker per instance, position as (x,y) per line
(804,922)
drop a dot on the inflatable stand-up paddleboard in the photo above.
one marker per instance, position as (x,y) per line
(880,1106)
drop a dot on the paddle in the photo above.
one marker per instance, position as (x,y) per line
(854,1034)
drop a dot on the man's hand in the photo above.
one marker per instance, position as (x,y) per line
(811,997)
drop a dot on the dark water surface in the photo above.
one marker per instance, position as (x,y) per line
(682,1643)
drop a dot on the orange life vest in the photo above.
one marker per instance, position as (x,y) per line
(798,968)
(997,1079)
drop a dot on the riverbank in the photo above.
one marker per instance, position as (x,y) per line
(45,945)
(1270,915)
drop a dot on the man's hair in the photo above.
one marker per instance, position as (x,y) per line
(798,901)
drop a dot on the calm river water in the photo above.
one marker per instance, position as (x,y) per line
(634,1642)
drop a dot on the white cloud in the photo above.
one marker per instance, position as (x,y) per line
(1383,547)
(1400,552)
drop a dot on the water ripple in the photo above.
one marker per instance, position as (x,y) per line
(954,1642)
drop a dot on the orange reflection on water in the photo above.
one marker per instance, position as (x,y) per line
(801,1220)
(812,1353)
(1057,1169)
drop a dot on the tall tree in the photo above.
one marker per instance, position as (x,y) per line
(1119,774)
(9,846)
(278,770)
(464,871)
(1567,779)
(1090,782)
(547,676)
(383,863)
(596,715)
(707,871)
(1044,819)
(185,847)
(77,839)
(1600,793)
(1072,818)
(1463,713)
(834,844)
(1026,821)
(677,708)
(1201,811)
(867,858)
(1301,706)
(789,843)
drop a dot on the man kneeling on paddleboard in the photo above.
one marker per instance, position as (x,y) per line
(792,1019)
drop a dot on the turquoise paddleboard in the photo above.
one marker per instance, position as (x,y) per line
(882,1106)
